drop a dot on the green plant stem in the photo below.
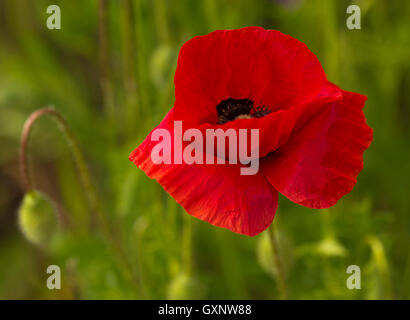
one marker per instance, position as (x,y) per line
(142,62)
(280,276)
(161,21)
(105,74)
(131,109)
(187,245)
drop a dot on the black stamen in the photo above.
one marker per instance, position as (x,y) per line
(260,112)
(230,109)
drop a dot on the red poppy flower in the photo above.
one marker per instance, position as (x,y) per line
(312,134)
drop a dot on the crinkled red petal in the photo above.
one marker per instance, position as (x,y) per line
(215,193)
(321,160)
(266,66)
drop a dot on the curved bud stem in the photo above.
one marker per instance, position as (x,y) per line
(84,176)
(81,166)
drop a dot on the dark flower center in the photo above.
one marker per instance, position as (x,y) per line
(231,109)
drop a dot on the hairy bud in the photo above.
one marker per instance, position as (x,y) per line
(183,287)
(37,217)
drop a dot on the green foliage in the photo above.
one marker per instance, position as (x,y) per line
(151,253)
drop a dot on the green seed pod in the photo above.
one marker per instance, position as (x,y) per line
(183,287)
(37,217)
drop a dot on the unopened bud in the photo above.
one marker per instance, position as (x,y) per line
(183,287)
(266,256)
(161,65)
(37,217)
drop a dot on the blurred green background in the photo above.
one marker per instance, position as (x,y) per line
(109,71)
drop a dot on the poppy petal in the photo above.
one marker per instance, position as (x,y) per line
(266,66)
(215,193)
(275,128)
(320,161)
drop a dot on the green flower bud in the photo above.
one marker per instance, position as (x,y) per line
(37,217)
(330,247)
(266,257)
(264,254)
(183,287)
(162,62)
